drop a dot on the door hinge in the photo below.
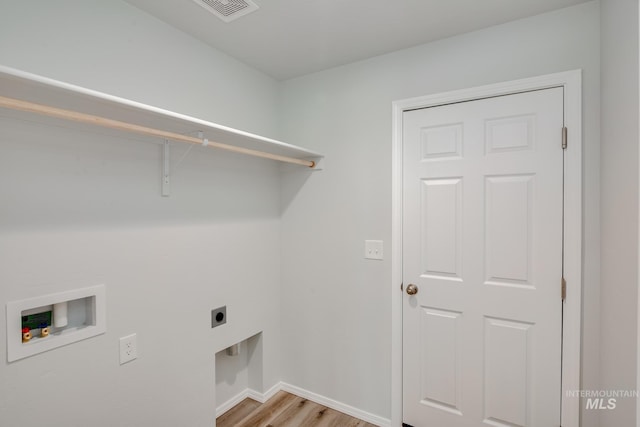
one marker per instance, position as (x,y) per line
(564,138)
(563,284)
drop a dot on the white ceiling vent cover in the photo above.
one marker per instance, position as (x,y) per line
(228,10)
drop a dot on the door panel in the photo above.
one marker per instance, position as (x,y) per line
(508,228)
(442,228)
(482,240)
(507,371)
(440,373)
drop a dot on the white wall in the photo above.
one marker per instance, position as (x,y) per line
(336,306)
(619,208)
(79,208)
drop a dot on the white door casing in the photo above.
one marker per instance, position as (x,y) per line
(519,238)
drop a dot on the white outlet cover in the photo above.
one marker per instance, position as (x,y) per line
(373,249)
(128,348)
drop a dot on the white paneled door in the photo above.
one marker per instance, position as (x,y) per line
(482,247)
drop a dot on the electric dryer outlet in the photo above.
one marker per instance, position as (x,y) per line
(219,316)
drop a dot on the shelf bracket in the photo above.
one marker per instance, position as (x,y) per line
(166,169)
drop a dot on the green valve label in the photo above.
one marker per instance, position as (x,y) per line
(36,321)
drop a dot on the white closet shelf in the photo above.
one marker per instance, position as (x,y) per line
(90,108)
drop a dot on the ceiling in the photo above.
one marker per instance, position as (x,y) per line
(290,38)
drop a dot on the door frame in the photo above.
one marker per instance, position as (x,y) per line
(571,81)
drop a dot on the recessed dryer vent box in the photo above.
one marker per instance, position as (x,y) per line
(43,323)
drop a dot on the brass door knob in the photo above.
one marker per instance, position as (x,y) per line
(412,289)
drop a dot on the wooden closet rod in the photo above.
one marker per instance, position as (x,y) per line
(59,113)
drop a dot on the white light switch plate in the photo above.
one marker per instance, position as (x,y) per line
(373,249)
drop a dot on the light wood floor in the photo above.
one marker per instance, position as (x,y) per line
(286,410)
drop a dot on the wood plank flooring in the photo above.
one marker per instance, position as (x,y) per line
(286,410)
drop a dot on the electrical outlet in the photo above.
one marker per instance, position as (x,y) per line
(128,348)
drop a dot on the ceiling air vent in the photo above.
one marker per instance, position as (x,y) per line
(228,10)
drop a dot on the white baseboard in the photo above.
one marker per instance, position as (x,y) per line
(272,392)
(338,406)
(322,400)
(252,394)
(234,401)
(248,393)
